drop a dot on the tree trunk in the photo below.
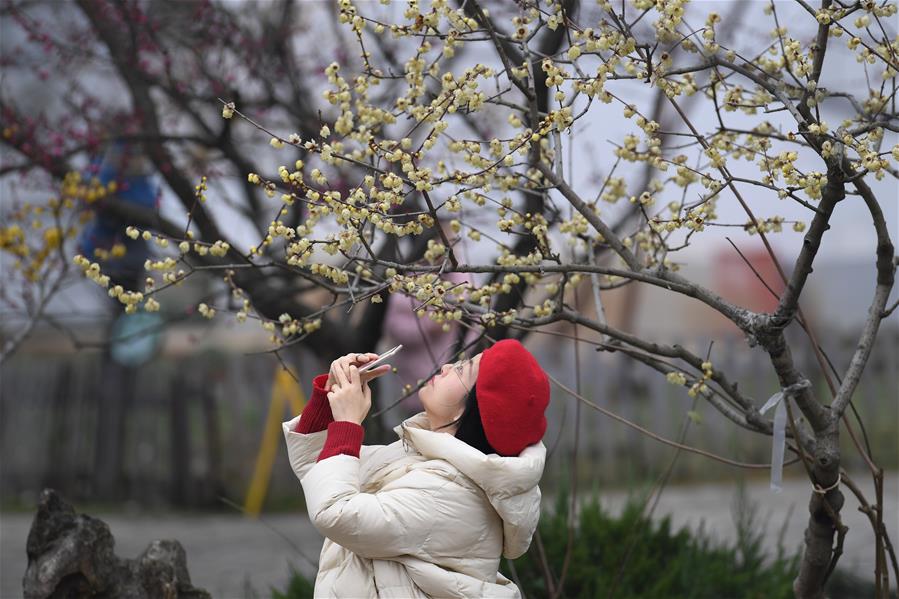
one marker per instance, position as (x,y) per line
(824,510)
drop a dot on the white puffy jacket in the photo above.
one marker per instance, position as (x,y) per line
(426,516)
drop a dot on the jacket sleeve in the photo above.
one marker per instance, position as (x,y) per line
(302,450)
(371,525)
(317,413)
(305,435)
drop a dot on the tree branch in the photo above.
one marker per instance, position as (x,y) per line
(581,206)
(886,272)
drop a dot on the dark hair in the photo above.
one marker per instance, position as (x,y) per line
(471,430)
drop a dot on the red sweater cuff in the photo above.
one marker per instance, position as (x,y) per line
(343,438)
(317,413)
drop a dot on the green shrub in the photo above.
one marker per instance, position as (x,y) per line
(641,558)
(630,557)
(648,560)
(298,587)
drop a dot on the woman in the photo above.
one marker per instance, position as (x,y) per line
(431,514)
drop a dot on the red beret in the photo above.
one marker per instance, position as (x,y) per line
(512,392)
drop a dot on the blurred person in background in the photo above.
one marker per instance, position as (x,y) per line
(103,237)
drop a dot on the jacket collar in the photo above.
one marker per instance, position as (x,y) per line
(509,483)
(495,474)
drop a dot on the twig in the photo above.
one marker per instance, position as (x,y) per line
(659,438)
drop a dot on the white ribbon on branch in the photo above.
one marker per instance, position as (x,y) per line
(778,401)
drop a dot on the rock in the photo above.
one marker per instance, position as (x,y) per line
(71,555)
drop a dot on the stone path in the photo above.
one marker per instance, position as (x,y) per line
(233,557)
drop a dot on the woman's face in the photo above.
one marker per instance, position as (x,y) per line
(443,396)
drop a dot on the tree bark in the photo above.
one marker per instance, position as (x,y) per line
(824,510)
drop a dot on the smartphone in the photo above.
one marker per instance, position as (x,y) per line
(381,359)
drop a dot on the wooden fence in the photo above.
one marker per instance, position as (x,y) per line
(189,427)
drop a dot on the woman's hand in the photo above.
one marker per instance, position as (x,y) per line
(350,396)
(344,362)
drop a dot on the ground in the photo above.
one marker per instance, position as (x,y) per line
(227,555)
